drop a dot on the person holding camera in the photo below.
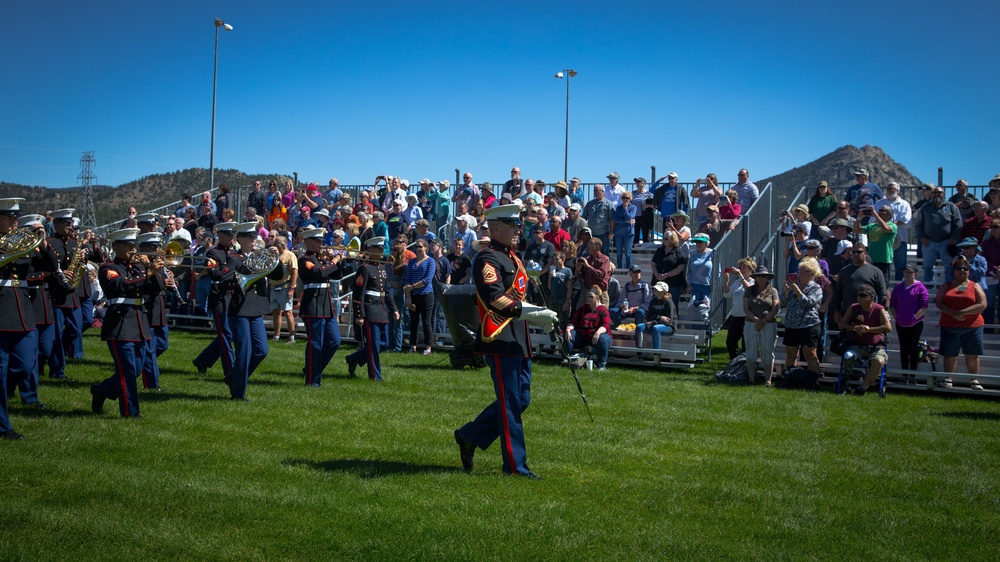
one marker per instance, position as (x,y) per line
(881,236)
(802,299)
(735,342)
(795,249)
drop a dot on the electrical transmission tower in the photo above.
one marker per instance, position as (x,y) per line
(88,219)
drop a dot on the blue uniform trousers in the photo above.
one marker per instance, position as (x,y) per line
(87,313)
(221,346)
(155,346)
(251,348)
(69,322)
(50,350)
(16,349)
(23,369)
(128,357)
(502,418)
(324,341)
(376,339)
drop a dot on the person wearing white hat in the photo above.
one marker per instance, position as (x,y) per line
(220,271)
(503,339)
(66,299)
(247,308)
(39,282)
(319,270)
(18,336)
(156,314)
(146,222)
(373,310)
(126,284)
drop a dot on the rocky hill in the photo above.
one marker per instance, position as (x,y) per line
(837,168)
(112,203)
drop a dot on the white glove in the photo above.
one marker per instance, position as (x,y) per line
(539,316)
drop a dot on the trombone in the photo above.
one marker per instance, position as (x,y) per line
(353,251)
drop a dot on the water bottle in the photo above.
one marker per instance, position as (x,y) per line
(625,304)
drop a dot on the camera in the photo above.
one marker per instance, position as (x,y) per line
(786,234)
(868,212)
(731,270)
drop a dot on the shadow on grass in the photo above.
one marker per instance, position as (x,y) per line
(372,468)
(51,412)
(145,396)
(974,416)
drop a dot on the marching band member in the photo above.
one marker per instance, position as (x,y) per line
(84,242)
(41,307)
(156,314)
(44,283)
(220,271)
(126,283)
(501,283)
(66,305)
(18,337)
(373,307)
(318,308)
(246,312)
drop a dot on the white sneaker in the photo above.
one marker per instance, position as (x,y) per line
(974,384)
(291,340)
(276,338)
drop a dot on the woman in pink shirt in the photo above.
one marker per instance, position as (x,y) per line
(729,209)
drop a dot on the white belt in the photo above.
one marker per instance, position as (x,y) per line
(121,300)
(316,286)
(11,282)
(373,294)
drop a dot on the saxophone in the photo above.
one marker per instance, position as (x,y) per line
(78,266)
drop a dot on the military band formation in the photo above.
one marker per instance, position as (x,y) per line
(45,294)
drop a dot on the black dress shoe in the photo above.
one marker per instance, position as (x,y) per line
(351,367)
(12,435)
(531,475)
(96,399)
(466,450)
(201,370)
(37,405)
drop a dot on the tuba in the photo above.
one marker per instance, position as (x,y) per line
(261,263)
(19,243)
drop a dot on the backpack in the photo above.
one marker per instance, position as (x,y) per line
(799,377)
(735,372)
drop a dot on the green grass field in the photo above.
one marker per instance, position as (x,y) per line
(673,467)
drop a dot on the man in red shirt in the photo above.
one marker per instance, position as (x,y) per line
(978,224)
(556,235)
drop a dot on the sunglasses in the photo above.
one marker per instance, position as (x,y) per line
(960,269)
(857,252)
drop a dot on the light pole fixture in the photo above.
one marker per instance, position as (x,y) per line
(567,74)
(215,80)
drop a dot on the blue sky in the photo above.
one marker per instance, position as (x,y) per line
(354,90)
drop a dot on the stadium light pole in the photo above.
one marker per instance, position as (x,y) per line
(215,81)
(567,74)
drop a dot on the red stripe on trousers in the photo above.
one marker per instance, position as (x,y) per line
(502,396)
(121,377)
(222,341)
(309,352)
(371,356)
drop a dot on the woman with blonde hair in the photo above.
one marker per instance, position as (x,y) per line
(669,264)
(802,300)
